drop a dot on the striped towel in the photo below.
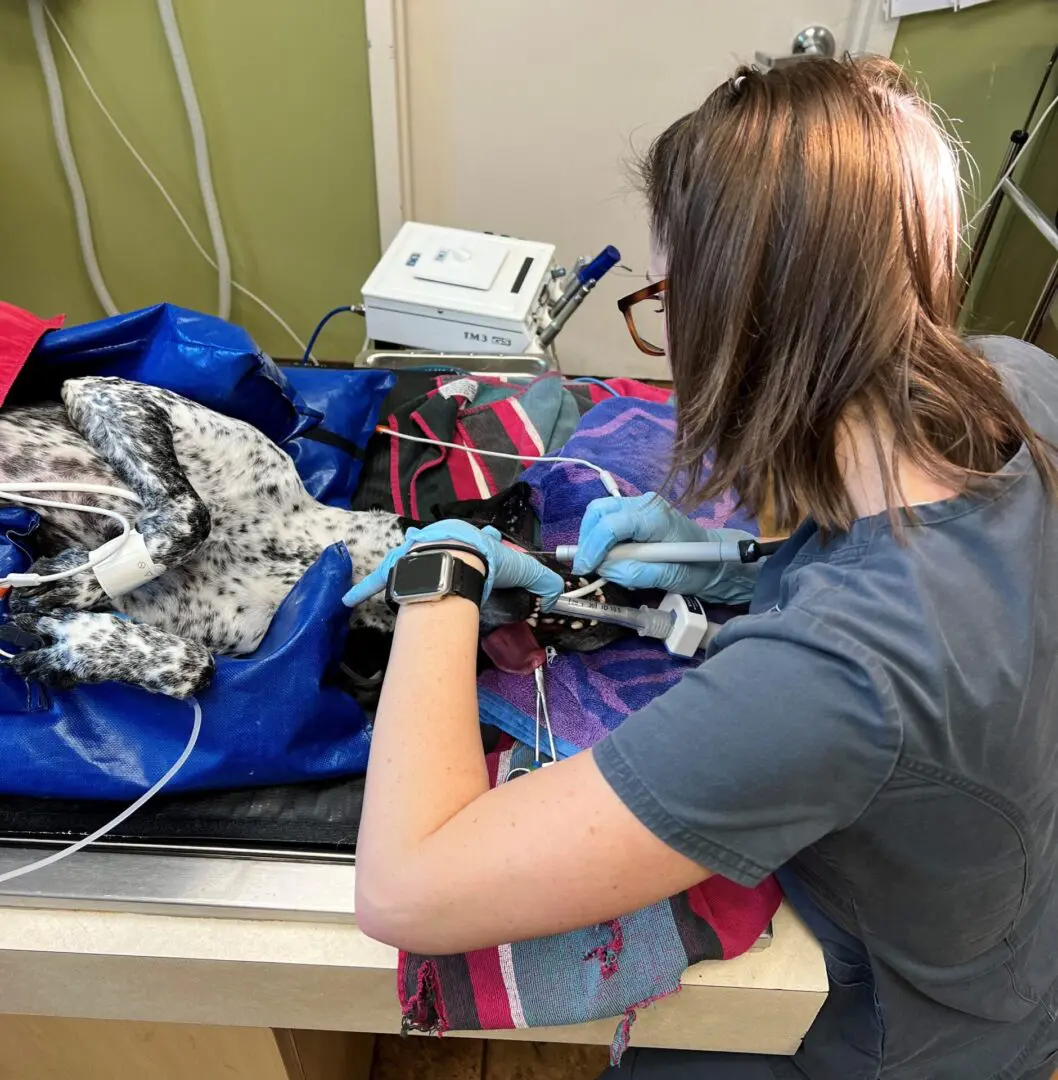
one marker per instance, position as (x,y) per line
(480,412)
(602,971)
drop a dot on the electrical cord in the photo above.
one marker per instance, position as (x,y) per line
(606,478)
(161,187)
(66,155)
(201,149)
(588,380)
(16,493)
(356,309)
(98,834)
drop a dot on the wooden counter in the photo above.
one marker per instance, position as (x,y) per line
(298,975)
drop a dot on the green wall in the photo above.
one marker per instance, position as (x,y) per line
(983,66)
(284,94)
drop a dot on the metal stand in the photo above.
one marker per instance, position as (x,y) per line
(1046,228)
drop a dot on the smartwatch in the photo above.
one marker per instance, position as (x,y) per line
(425,575)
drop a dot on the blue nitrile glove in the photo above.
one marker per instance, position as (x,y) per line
(507,568)
(650,519)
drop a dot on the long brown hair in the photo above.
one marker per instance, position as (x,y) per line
(810,221)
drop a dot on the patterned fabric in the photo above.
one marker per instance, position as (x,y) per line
(589,694)
(591,974)
(489,413)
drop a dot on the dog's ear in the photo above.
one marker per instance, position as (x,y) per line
(511,512)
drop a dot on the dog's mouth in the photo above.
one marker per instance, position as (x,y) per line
(541,618)
(563,632)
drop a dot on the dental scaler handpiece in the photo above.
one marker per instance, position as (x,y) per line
(649,622)
(693,551)
(680,621)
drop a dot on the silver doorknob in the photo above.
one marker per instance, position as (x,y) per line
(811,41)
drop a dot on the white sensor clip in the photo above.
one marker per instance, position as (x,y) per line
(129,567)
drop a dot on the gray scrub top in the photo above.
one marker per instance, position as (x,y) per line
(885,721)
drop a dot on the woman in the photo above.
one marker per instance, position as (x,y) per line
(882,729)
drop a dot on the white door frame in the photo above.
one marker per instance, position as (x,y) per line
(390,119)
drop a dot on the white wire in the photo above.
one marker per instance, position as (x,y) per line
(585,590)
(201,148)
(66,155)
(15,493)
(92,837)
(161,187)
(69,485)
(607,480)
(1013,165)
(550,653)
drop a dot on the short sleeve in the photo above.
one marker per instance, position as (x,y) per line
(776,740)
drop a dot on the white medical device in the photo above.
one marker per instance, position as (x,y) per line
(455,291)
(679,621)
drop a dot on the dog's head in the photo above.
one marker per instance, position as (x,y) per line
(510,512)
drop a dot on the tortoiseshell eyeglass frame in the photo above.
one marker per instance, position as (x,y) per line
(625,305)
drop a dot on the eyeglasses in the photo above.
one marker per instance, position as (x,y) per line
(644,312)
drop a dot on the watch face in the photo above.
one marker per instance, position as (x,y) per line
(422,576)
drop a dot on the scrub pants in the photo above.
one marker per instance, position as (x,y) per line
(650,1064)
(847,1036)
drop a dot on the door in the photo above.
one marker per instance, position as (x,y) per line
(525,117)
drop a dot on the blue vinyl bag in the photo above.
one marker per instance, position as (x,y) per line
(271,717)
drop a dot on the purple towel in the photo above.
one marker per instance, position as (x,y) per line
(590,694)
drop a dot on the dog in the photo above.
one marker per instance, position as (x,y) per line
(226,514)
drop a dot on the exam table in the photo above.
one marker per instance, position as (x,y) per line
(236,909)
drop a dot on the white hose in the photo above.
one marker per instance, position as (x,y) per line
(605,478)
(92,837)
(198,139)
(66,155)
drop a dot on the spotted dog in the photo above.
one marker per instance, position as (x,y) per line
(227,516)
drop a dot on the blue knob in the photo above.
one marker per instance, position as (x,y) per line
(604,261)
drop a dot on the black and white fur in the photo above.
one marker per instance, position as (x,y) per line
(223,510)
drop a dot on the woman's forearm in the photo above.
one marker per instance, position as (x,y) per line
(426,760)
(443,863)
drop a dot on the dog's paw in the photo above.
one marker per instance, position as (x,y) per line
(81,592)
(92,647)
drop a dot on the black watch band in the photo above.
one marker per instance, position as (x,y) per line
(432,572)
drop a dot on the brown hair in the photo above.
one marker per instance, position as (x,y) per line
(810,219)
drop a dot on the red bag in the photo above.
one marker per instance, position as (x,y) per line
(19,333)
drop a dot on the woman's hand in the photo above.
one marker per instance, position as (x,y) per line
(506,567)
(650,519)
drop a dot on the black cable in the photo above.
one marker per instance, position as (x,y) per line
(323,322)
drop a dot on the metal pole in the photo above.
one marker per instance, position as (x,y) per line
(1017,140)
(984,230)
(1043,306)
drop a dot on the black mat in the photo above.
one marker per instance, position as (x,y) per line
(322,816)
